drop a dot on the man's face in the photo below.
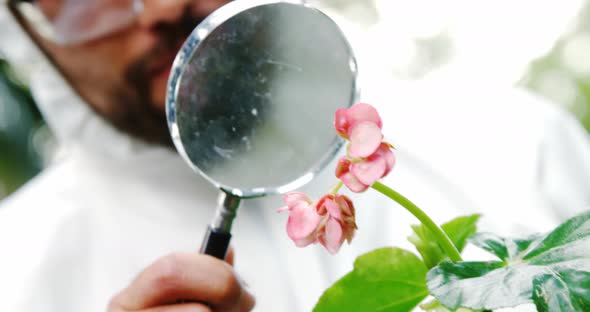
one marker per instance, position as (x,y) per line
(123,75)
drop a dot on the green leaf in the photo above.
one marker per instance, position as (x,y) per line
(503,248)
(426,244)
(436,306)
(458,230)
(563,242)
(527,264)
(386,279)
(564,291)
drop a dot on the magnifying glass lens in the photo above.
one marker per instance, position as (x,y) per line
(252,95)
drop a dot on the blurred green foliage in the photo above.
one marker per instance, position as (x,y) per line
(19,122)
(563,74)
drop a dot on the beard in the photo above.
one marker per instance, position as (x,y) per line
(136,113)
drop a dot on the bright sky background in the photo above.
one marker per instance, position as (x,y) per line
(494,40)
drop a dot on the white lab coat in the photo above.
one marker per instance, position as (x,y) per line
(83,228)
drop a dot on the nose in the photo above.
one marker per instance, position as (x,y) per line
(161,11)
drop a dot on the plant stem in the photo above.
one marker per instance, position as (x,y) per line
(444,241)
(336,188)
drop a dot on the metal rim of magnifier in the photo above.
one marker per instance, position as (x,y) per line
(190,46)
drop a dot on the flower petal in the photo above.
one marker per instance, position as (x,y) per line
(302,221)
(341,123)
(385,151)
(345,205)
(370,170)
(365,138)
(353,183)
(333,236)
(310,239)
(349,233)
(333,209)
(320,205)
(293,198)
(363,112)
(342,167)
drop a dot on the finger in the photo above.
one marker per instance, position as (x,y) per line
(247,301)
(184,276)
(184,307)
(229,258)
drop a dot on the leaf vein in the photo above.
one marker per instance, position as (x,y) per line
(407,299)
(411,283)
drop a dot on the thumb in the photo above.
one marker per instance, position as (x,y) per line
(229,258)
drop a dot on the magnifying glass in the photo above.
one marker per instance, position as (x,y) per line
(251,99)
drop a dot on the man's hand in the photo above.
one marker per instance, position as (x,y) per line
(185,282)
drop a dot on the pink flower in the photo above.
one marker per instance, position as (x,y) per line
(369,158)
(359,174)
(330,221)
(338,221)
(361,124)
(303,218)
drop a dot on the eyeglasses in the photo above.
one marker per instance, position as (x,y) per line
(79,20)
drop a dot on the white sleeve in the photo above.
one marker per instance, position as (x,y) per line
(564,166)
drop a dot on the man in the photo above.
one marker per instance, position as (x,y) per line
(120,66)
(104,216)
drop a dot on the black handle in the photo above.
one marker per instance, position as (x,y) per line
(215,243)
